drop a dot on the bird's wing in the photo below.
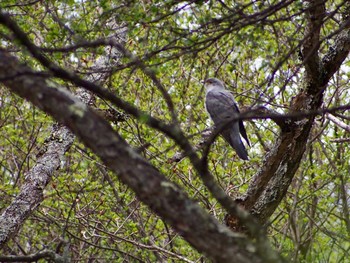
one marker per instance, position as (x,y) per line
(220,106)
(241,128)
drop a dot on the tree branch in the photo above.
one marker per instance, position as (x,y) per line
(31,192)
(45,254)
(315,13)
(338,52)
(338,122)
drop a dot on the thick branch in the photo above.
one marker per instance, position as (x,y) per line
(337,53)
(31,192)
(314,15)
(45,254)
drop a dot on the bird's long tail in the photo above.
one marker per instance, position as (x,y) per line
(239,147)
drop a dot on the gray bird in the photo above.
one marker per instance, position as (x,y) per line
(221,106)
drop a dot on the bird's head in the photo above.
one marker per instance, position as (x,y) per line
(213,83)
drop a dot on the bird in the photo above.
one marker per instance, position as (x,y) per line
(221,106)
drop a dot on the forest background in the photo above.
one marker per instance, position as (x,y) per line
(107,153)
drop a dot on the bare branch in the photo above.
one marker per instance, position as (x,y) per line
(338,52)
(45,254)
(315,14)
(31,192)
(338,122)
(342,140)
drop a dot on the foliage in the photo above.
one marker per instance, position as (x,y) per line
(255,52)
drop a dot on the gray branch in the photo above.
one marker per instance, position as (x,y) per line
(45,254)
(36,179)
